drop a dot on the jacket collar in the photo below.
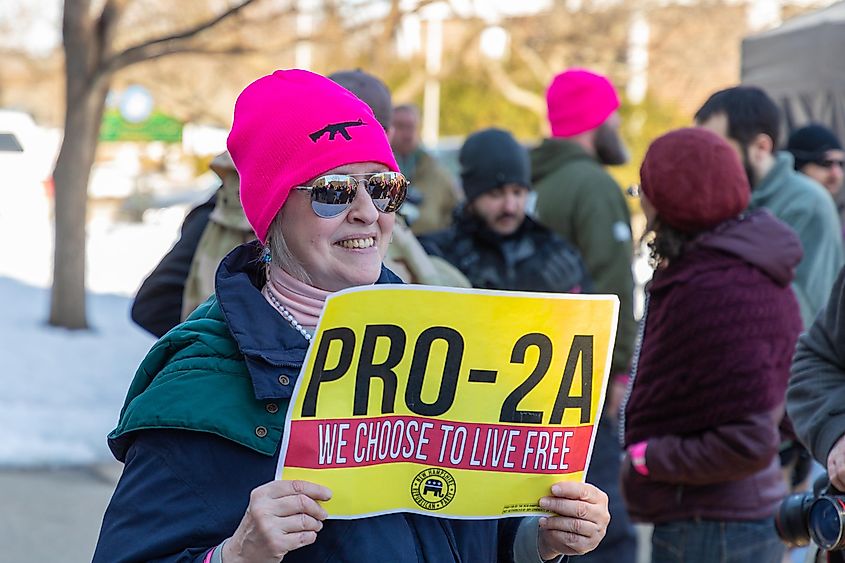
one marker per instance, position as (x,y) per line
(553,153)
(772,182)
(274,351)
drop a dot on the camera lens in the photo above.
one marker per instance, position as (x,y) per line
(791,519)
(826,521)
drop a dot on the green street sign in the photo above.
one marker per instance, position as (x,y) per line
(157,127)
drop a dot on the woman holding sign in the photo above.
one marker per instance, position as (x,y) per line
(200,431)
(701,419)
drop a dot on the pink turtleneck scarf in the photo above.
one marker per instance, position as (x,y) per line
(305,302)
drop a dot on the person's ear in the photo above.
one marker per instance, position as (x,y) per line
(763,143)
(759,151)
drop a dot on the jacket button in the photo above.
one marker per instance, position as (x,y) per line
(260,431)
(272,408)
(284,380)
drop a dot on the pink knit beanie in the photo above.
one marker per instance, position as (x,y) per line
(290,127)
(579,100)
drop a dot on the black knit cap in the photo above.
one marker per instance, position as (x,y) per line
(491,158)
(809,143)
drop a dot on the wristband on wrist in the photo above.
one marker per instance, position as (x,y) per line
(637,454)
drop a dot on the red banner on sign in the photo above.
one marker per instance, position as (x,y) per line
(359,442)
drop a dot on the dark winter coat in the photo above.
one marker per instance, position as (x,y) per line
(531,259)
(201,428)
(158,305)
(816,395)
(536,259)
(710,382)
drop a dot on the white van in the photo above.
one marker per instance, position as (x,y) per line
(27,153)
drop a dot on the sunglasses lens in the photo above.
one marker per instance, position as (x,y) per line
(332,195)
(388,190)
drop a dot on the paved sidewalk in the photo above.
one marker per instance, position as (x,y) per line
(53,514)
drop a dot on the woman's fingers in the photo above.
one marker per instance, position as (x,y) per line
(281,516)
(568,543)
(283,488)
(580,503)
(579,491)
(299,523)
(300,539)
(297,504)
(581,519)
(573,526)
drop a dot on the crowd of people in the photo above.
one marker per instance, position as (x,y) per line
(745,240)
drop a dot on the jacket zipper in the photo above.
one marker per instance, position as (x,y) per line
(634,367)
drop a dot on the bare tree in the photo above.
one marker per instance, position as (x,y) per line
(92,57)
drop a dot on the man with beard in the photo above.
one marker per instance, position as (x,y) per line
(581,202)
(750,121)
(491,240)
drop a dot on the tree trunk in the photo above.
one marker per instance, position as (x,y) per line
(85,105)
(90,65)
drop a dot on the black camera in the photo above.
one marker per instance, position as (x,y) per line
(818,516)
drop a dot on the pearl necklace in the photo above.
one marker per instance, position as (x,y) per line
(287,314)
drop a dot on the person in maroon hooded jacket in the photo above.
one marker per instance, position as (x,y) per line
(700,420)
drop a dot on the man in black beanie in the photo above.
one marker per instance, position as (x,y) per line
(496,245)
(819,155)
(492,240)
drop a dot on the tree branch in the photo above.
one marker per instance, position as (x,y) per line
(198,50)
(407,91)
(534,62)
(106,27)
(161,46)
(511,91)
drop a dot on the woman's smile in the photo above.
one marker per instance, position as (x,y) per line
(357,242)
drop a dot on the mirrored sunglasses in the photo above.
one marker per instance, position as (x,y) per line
(333,194)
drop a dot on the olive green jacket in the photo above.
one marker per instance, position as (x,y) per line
(581,202)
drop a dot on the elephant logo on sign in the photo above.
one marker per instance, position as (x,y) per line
(434,486)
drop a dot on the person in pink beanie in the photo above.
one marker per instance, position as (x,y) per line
(582,203)
(201,428)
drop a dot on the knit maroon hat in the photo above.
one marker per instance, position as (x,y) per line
(694,180)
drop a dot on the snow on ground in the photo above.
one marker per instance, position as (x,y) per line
(61,391)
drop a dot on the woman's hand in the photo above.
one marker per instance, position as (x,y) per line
(281,516)
(581,520)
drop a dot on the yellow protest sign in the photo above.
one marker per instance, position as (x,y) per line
(448,402)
